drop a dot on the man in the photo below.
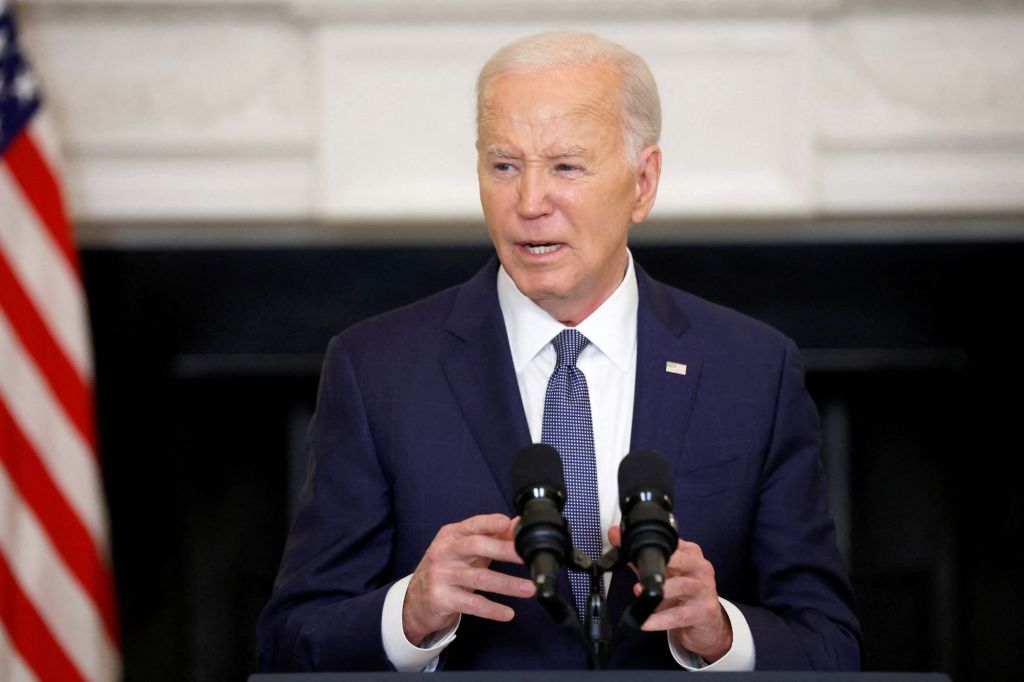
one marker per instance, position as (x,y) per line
(402,555)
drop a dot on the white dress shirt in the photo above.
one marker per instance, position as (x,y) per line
(609,365)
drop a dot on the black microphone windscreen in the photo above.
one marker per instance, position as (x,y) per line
(537,464)
(643,470)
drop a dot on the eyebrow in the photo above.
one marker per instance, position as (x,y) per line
(496,151)
(570,151)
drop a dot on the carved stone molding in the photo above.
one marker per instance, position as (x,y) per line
(922,114)
(331,112)
(403,11)
(533,10)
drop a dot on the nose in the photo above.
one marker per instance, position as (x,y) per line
(533,193)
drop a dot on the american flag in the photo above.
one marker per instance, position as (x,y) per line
(58,619)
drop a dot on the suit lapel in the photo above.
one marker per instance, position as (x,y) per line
(477,362)
(663,399)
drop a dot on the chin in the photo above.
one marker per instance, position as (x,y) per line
(539,289)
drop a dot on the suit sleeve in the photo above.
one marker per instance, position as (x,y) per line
(805,615)
(325,612)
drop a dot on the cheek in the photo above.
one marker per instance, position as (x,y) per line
(495,197)
(578,203)
(618,200)
(593,214)
(499,219)
(489,202)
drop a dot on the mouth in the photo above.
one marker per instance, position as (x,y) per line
(540,248)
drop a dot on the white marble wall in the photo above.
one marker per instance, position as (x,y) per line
(328,113)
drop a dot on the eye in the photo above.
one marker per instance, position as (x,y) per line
(567,168)
(502,167)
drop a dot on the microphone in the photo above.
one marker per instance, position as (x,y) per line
(648,526)
(542,536)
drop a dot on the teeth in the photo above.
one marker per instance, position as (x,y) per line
(538,249)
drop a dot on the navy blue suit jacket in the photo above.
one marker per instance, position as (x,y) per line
(419,416)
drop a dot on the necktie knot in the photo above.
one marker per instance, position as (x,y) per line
(568,345)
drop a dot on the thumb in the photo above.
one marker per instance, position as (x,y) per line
(615,536)
(510,532)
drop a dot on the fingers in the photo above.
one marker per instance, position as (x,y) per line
(478,539)
(690,609)
(615,536)
(485,524)
(478,549)
(474,604)
(471,578)
(487,538)
(698,624)
(445,591)
(688,602)
(455,568)
(690,594)
(688,560)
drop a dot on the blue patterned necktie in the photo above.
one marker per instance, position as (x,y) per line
(568,427)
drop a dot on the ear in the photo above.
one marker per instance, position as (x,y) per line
(647,176)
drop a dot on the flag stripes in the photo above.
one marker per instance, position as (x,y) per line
(12,667)
(70,537)
(40,190)
(64,381)
(31,636)
(58,615)
(36,260)
(67,457)
(41,578)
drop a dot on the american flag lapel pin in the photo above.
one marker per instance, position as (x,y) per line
(675,368)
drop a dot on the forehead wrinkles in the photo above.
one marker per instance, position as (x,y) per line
(604,105)
(595,118)
(602,109)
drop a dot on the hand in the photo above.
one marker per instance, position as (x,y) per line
(690,610)
(454,567)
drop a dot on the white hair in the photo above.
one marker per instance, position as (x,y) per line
(640,105)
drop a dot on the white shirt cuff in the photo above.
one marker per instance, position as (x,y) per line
(405,656)
(740,657)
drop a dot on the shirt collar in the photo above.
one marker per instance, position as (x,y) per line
(611,328)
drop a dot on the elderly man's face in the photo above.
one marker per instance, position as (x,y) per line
(557,194)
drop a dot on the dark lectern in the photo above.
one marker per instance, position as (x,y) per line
(596,676)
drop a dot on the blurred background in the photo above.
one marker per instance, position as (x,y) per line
(246,178)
